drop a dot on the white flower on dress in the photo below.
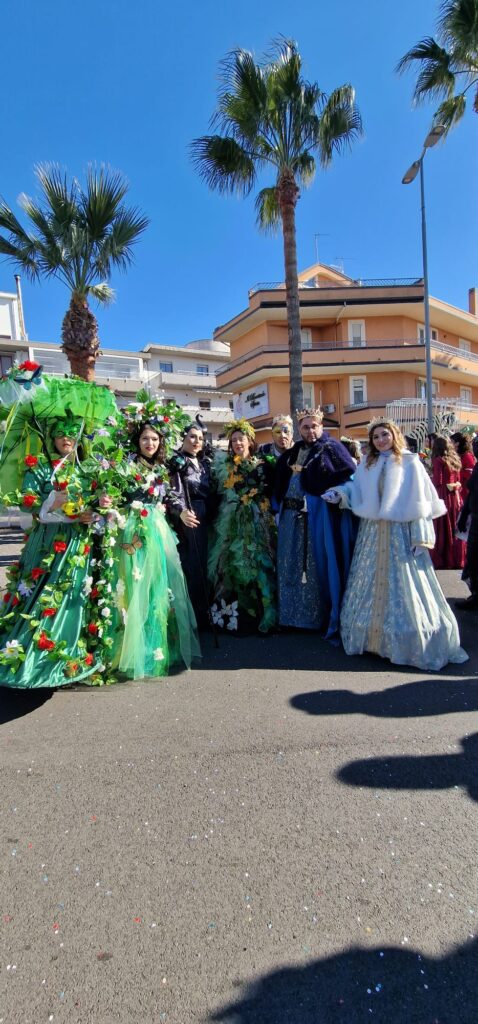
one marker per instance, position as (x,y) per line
(137,574)
(225,611)
(136,505)
(120,588)
(110,561)
(158,654)
(11,649)
(87,585)
(124,616)
(24,589)
(106,612)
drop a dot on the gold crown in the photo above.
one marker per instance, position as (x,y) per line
(315,414)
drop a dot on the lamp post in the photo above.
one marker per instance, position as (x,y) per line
(431,140)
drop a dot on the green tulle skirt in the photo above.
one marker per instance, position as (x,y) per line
(159,625)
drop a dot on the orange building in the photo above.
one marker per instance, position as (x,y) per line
(363,347)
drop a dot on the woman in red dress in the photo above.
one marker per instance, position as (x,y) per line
(449,552)
(462,445)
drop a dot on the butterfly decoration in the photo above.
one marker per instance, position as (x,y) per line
(135,543)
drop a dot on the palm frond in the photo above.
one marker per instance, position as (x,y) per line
(102,293)
(242,94)
(268,217)
(116,249)
(436,76)
(340,123)
(304,168)
(224,164)
(60,199)
(101,200)
(458,27)
(450,112)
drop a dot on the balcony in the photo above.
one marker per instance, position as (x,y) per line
(371,282)
(182,379)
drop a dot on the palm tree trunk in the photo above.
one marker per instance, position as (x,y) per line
(80,338)
(288,194)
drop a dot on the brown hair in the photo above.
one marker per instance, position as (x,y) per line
(160,455)
(398,441)
(462,441)
(252,443)
(443,448)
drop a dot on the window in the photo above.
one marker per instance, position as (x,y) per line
(203,370)
(205,404)
(305,337)
(358,390)
(422,388)
(231,405)
(166,367)
(465,395)
(308,393)
(6,361)
(465,346)
(356,333)
(421,334)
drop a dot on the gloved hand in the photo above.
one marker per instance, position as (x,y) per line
(332,496)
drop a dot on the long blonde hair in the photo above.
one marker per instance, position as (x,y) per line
(398,441)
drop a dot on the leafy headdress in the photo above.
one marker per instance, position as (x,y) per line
(40,408)
(164,416)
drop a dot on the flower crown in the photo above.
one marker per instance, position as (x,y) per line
(165,416)
(315,414)
(242,426)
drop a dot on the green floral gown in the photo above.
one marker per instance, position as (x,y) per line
(45,639)
(241,563)
(157,625)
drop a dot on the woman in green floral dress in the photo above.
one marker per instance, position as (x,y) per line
(48,633)
(241,564)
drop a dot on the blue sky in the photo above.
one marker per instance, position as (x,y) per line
(131,84)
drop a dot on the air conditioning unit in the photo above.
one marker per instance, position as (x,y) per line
(329,408)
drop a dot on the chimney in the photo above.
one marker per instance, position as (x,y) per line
(473,301)
(23,334)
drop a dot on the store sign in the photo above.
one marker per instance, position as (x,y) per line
(253,403)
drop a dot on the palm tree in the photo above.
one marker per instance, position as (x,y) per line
(270,118)
(78,236)
(449,63)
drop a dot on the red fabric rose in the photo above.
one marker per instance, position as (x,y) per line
(94,485)
(137,476)
(44,643)
(94,592)
(89,659)
(86,549)
(61,485)
(36,573)
(6,597)
(166,419)
(31,460)
(150,490)
(144,512)
(15,600)
(48,611)
(29,500)
(28,365)
(59,546)
(55,463)
(93,628)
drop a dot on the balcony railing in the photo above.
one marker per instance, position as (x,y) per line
(370,282)
(331,344)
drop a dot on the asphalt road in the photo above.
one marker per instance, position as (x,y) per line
(282,835)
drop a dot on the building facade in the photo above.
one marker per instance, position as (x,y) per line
(363,348)
(187,375)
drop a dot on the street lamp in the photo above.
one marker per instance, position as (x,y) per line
(431,140)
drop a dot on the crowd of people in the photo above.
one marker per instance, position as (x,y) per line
(142,533)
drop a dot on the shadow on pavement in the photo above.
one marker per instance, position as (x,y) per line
(297,649)
(389,986)
(434,771)
(421,699)
(16,703)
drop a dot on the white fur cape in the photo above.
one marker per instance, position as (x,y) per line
(408,492)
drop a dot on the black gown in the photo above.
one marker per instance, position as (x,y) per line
(191,489)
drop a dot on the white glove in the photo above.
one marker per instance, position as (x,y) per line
(332,497)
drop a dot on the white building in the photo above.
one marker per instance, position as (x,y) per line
(187,375)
